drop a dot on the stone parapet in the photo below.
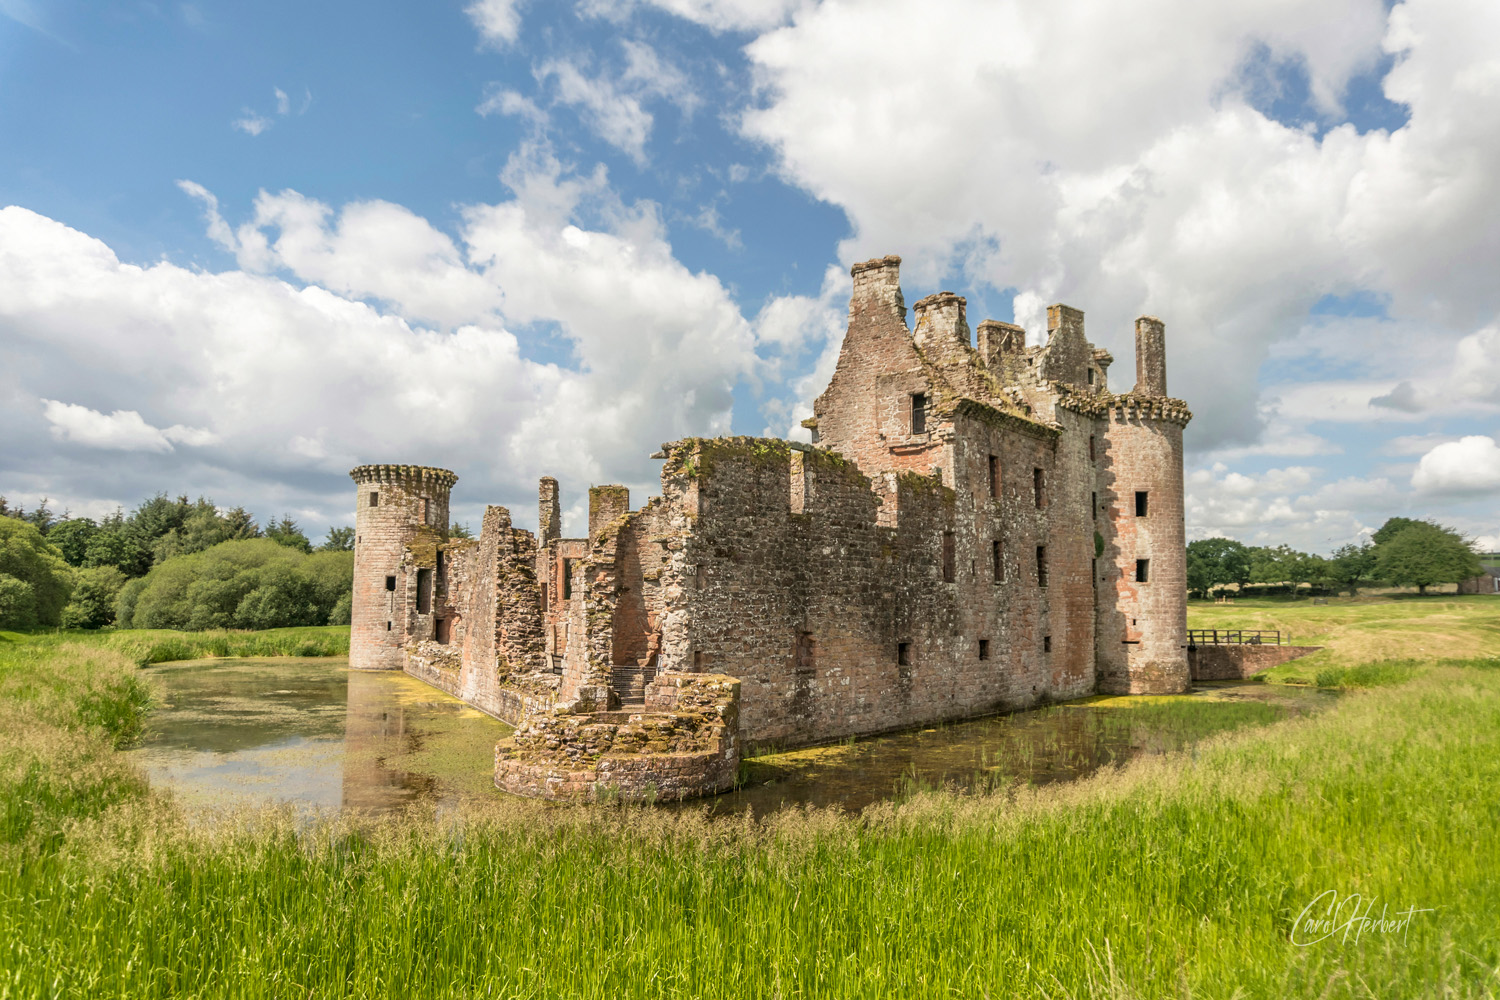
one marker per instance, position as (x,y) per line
(1239,661)
(684,744)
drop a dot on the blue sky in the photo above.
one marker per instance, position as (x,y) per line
(249,246)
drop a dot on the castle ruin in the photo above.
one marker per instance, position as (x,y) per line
(978,526)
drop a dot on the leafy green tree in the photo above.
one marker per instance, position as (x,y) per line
(204,527)
(36,580)
(1422,553)
(118,544)
(1284,564)
(456,530)
(72,538)
(286,532)
(1393,527)
(339,540)
(42,517)
(1215,562)
(95,592)
(1351,566)
(250,583)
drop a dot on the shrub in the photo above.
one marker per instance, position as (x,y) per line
(95,593)
(34,580)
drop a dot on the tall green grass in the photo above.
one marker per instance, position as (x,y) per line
(148,646)
(1173,876)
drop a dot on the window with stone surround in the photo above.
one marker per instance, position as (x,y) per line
(995,476)
(1142,499)
(424,591)
(984,649)
(1142,570)
(390,583)
(422,509)
(1046,644)
(567,579)
(903,654)
(1092,454)
(1094,504)
(374,498)
(1039,486)
(919,413)
(443,630)
(950,572)
(997,560)
(1041,565)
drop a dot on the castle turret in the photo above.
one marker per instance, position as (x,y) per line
(1143,649)
(393,504)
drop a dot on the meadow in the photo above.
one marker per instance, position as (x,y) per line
(1200,874)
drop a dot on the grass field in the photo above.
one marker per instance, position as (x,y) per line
(1185,875)
(146,646)
(1364,630)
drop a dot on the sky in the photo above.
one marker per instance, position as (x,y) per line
(246,247)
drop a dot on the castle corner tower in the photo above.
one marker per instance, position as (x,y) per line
(393,505)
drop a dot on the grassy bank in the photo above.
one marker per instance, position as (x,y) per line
(1180,876)
(1364,630)
(145,646)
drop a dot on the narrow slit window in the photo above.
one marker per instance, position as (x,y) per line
(997,561)
(984,649)
(1143,571)
(390,583)
(1141,502)
(567,581)
(1094,573)
(422,509)
(919,413)
(1041,565)
(1091,376)
(950,573)
(903,654)
(1094,503)
(440,562)
(374,498)
(995,476)
(387,626)
(544,597)
(1039,486)
(424,591)
(1092,453)
(1046,644)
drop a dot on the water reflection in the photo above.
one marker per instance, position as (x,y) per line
(314,733)
(1060,743)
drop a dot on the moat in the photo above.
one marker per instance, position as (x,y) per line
(314,734)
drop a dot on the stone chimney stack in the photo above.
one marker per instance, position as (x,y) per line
(877,295)
(548,513)
(997,340)
(1150,357)
(941,324)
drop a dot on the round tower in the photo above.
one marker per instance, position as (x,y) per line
(1142,613)
(393,503)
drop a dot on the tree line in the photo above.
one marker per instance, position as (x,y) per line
(169,563)
(1403,553)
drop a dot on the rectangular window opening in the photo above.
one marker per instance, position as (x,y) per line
(919,413)
(1141,498)
(1041,565)
(997,561)
(1094,503)
(567,580)
(443,630)
(387,626)
(903,654)
(1094,573)
(995,476)
(424,591)
(950,573)
(374,498)
(803,652)
(1091,376)
(984,649)
(1046,644)
(1142,570)
(1092,454)
(440,562)
(544,597)
(390,583)
(422,509)
(698,661)
(1038,486)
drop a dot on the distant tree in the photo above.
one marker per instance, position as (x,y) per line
(286,532)
(456,530)
(95,592)
(72,538)
(1284,564)
(1393,527)
(204,527)
(41,517)
(35,581)
(1351,566)
(6,510)
(118,544)
(1422,553)
(1215,562)
(339,540)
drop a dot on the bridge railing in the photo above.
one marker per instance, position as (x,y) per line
(1236,636)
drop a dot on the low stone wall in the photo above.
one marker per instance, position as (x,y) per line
(684,744)
(1231,662)
(510,698)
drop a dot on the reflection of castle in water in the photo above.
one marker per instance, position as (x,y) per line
(376,725)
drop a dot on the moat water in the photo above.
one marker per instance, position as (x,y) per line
(312,733)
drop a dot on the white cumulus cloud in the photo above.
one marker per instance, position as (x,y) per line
(1469,465)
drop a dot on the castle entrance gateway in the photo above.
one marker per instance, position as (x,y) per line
(981,525)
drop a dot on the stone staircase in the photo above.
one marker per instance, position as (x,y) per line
(629,683)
